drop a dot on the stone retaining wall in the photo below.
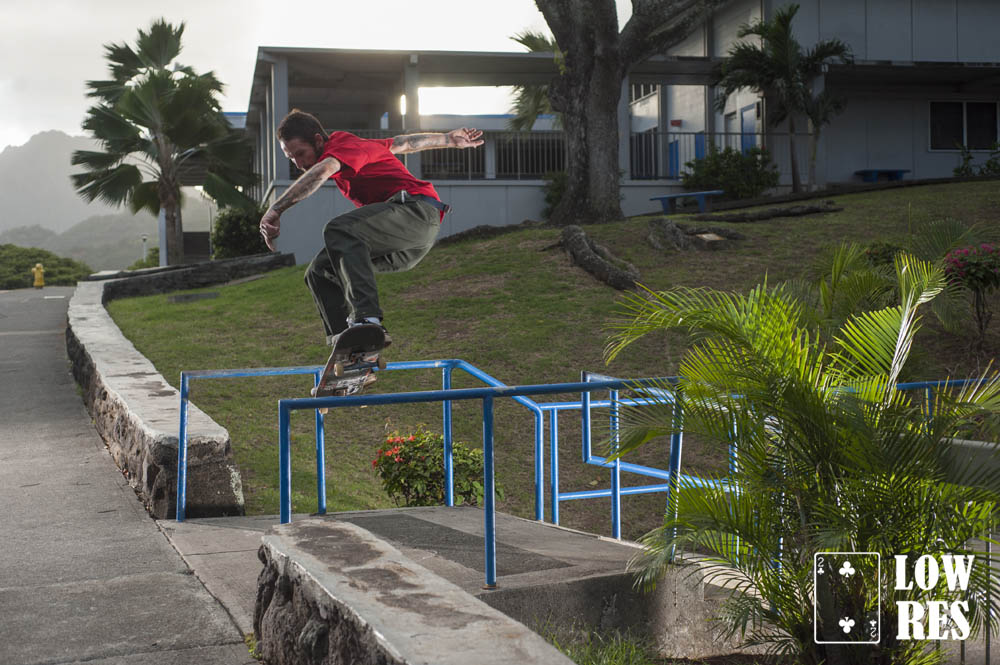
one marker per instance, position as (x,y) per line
(331,592)
(136,411)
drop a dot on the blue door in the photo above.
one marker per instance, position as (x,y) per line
(748,128)
(699,145)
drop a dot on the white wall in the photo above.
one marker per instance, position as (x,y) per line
(884,133)
(902,30)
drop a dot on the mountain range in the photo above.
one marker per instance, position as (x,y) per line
(42,209)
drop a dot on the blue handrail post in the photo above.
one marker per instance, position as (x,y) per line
(539,467)
(554,463)
(284,462)
(320,458)
(585,419)
(489,509)
(449,467)
(182,453)
(616,469)
(676,444)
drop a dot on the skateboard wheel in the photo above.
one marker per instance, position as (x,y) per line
(338,369)
(381,362)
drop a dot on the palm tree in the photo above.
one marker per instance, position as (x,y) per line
(779,69)
(831,456)
(157,122)
(531,101)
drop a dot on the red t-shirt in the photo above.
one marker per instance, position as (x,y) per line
(369,172)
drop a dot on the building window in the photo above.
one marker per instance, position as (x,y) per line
(640,90)
(972,124)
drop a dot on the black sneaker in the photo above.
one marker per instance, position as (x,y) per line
(388,339)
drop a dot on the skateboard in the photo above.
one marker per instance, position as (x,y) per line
(351,367)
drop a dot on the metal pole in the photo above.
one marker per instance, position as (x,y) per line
(182,453)
(284,463)
(489,509)
(539,467)
(320,458)
(449,467)
(585,420)
(616,497)
(554,463)
(989,590)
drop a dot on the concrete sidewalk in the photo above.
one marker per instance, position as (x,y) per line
(85,574)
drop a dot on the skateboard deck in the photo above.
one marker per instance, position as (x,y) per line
(350,369)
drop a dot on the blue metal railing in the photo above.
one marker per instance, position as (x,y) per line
(447,368)
(487,395)
(590,382)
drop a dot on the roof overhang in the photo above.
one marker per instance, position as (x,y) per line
(924,77)
(328,81)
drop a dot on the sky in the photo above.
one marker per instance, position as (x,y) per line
(50,48)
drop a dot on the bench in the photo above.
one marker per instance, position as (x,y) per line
(872,175)
(669,201)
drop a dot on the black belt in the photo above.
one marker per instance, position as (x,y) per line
(443,207)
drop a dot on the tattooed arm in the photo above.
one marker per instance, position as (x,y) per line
(308,182)
(456,138)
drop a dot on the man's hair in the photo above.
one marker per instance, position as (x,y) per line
(300,125)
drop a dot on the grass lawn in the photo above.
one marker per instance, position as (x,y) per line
(517,309)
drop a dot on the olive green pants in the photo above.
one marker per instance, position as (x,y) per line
(381,237)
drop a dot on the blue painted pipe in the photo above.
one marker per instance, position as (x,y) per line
(182,452)
(489,499)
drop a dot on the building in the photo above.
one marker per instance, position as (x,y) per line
(926,77)
(359,91)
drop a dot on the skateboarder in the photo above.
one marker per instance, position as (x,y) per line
(395,223)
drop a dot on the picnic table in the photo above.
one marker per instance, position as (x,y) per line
(872,175)
(669,201)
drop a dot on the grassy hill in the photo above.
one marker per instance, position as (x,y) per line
(515,307)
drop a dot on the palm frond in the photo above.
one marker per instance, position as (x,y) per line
(536,41)
(95,161)
(145,196)
(160,45)
(113,186)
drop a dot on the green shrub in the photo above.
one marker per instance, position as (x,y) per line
(152,260)
(411,469)
(977,270)
(16,264)
(237,233)
(742,175)
(990,167)
(881,253)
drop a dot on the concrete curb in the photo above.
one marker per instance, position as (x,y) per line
(136,411)
(332,592)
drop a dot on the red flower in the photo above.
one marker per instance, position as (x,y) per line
(397,458)
(412,438)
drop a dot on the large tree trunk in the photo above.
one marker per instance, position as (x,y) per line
(595,59)
(591,130)
(171,205)
(586,93)
(813,149)
(793,159)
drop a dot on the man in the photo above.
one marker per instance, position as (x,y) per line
(392,229)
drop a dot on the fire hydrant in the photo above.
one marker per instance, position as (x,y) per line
(39,272)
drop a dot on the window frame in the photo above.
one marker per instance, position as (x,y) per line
(965,123)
